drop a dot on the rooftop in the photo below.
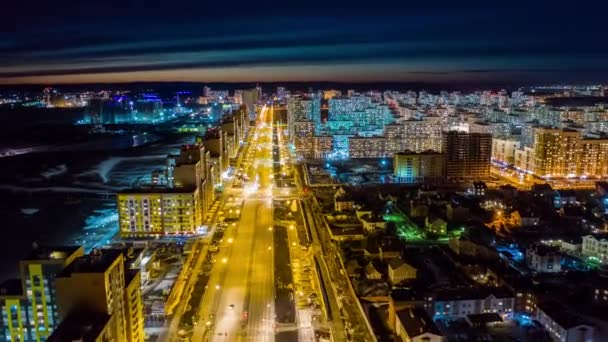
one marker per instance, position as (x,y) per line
(471,293)
(84,327)
(416,322)
(158,190)
(561,315)
(51,252)
(96,262)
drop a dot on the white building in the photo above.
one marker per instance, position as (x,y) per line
(457,304)
(563,326)
(595,247)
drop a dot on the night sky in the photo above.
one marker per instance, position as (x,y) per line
(67,41)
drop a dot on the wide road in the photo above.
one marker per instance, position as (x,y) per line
(239,302)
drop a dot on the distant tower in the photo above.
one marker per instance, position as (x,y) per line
(47,96)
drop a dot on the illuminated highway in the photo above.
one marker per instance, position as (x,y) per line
(238,304)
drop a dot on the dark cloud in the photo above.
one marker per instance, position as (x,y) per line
(68,37)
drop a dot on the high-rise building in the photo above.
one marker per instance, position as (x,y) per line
(29,304)
(415,135)
(503,150)
(556,152)
(303,115)
(331,93)
(250,98)
(214,141)
(97,284)
(593,158)
(411,167)
(281,93)
(159,211)
(179,208)
(468,155)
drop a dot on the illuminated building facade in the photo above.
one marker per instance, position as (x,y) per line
(415,135)
(524,159)
(364,147)
(29,304)
(503,150)
(468,155)
(411,167)
(556,152)
(360,120)
(303,117)
(250,98)
(593,158)
(148,212)
(98,283)
(179,208)
(323,146)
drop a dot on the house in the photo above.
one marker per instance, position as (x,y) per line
(343,201)
(479,242)
(390,247)
(371,272)
(399,271)
(435,225)
(595,246)
(544,259)
(415,325)
(370,220)
(562,325)
(457,213)
(479,189)
(452,304)
(572,246)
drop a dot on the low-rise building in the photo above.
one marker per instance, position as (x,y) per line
(399,271)
(562,325)
(435,225)
(370,220)
(414,325)
(343,201)
(371,272)
(595,246)
(544,259)
(458,303)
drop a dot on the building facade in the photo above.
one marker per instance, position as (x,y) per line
(29,304)
(98,284)
(468,155)
(410,167)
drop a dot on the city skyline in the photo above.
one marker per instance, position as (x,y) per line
(439,42)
